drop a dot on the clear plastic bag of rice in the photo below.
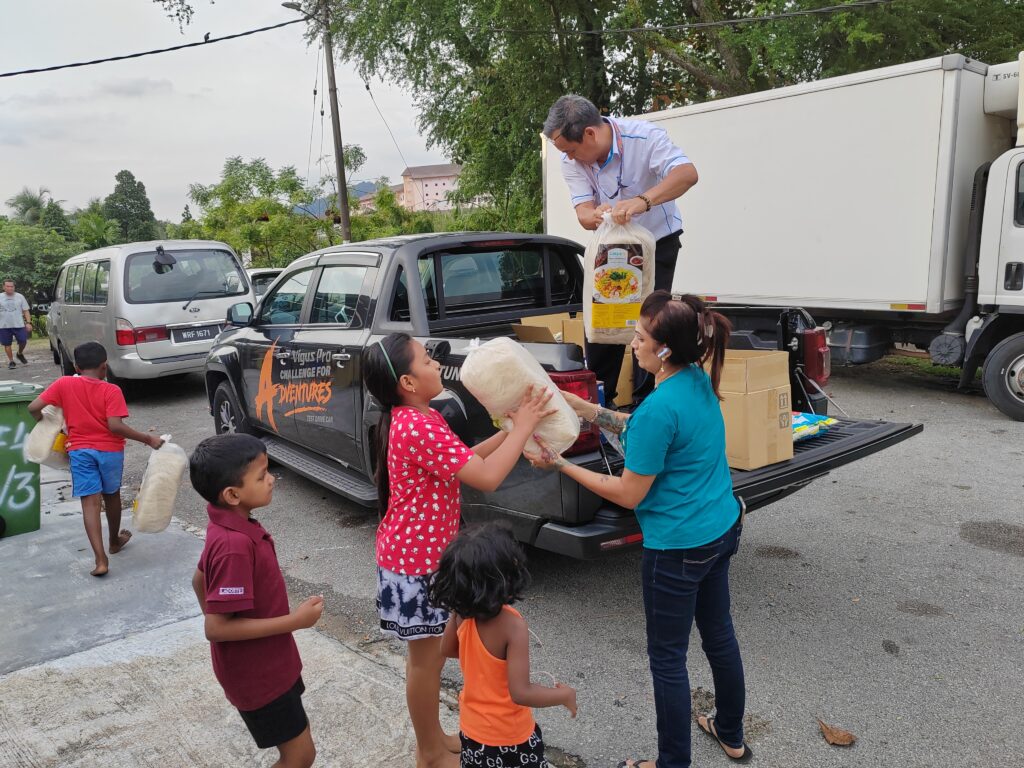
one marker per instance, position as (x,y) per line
(497,374)
(154,505)
(618,274)
(45,443)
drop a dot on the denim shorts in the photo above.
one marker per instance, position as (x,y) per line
(95,471)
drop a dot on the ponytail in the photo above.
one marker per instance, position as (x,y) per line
(383,364)
(694,334)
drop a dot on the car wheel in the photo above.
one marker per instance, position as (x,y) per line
(56,357)
(1003,376)
(227,414)
(129,388)
(67,365)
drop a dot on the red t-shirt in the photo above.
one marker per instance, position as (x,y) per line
(242,576)
(423,511)
(87,404)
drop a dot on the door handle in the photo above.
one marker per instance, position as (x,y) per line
(340,358)
(1014,279)
(282,355)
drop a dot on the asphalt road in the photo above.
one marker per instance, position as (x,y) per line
(883,599)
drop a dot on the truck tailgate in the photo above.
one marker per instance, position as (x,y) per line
(614,528)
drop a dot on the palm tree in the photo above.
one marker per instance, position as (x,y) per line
(95,230)
(28,205)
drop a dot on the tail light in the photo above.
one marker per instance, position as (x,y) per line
(127,335)
(582,384)
(817,357)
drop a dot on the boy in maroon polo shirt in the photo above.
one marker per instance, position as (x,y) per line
(242,593)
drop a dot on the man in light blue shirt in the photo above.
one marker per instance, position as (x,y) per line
(628,167)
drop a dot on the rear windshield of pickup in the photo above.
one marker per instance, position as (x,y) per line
(476,282)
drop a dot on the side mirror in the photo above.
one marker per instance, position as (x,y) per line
(240,315)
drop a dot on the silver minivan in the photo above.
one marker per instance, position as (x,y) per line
(156,307)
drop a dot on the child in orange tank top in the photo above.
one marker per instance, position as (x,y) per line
(481,573)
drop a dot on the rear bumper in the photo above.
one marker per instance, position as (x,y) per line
(613,529)
(128,365)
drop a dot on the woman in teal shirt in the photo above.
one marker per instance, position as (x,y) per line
(677,479)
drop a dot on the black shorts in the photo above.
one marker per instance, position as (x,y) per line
(529,754)
(279,721)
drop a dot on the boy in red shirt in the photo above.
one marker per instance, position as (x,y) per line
(242,592)
(93,410)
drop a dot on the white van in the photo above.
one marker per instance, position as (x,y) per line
(156,307)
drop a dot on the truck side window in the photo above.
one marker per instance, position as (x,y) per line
(1018,203)
(337,295)
(284,306)
(400,303)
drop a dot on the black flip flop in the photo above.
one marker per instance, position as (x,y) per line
(748,753)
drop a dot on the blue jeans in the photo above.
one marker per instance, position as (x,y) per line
(680,586)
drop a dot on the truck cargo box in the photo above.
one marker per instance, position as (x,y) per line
(849,193)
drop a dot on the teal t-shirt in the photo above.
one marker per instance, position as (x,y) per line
(677,434)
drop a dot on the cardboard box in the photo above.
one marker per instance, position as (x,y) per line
(562,327)
(757,408)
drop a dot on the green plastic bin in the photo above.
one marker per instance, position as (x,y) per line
(19,479)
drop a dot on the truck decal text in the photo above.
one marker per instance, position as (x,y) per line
(306,396)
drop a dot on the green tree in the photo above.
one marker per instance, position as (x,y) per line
(257,210)
(96,230)
(32,255)
(54,217)
(28,205)
(129,206)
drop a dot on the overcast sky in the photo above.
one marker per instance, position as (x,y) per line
(173,118)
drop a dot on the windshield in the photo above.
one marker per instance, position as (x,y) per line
(210,274)
(260,283)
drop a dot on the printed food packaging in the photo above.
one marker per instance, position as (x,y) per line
(618,274)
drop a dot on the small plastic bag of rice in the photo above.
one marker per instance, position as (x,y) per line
(153,507)
(497,374)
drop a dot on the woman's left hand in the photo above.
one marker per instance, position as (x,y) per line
(546,459)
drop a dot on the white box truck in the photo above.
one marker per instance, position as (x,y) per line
(888,203)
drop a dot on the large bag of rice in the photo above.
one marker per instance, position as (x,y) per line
(154,505)
(45,443)
(618,274)
(497,374)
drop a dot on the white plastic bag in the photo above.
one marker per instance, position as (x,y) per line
(497,374)
(154,505)
(45,443)
(618,274)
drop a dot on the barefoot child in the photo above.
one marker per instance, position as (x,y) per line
(241,590)
(420,464)
(481,574)
(93,409)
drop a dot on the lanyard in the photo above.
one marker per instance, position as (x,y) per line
(619,186)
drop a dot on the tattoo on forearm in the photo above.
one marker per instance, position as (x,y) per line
(608,420)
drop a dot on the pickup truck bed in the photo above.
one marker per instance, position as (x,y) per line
(614,527)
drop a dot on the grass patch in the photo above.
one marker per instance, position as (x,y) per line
(925,366)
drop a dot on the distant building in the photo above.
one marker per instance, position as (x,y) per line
(367,203)
(426,187)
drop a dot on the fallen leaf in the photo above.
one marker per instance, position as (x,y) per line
(836,736)
(856,599)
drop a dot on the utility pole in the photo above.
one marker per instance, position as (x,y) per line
(339,153)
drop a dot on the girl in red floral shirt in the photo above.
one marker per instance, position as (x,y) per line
(420,465)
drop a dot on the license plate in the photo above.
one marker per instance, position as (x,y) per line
(202,333)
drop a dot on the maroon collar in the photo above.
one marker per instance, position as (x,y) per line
(225,518)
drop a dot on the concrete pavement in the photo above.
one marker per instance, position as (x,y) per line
(116,671)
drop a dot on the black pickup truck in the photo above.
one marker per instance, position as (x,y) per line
(289,371)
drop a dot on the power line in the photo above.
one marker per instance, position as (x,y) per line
(312,117)
(152,52)
(824,11)
(391,133)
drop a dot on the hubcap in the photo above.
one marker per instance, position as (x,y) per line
(226,417)
(1015,378)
